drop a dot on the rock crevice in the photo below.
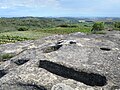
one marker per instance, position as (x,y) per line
(91,79)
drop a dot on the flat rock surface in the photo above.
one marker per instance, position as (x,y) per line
(63,62)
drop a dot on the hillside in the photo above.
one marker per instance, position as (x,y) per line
(10,24)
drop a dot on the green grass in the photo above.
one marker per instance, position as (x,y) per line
(60,30)
(98,32)
(12,39)
(27,34)
(15,36)
(117,29)
(5,57)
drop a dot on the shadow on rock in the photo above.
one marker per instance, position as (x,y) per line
(90,79)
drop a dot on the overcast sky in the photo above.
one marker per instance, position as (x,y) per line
(60,8)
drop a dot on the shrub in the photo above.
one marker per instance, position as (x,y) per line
(22,29)
(67,26)
(98,26)
(117,24)
(63,25)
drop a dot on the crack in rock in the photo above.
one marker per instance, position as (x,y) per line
(21,86)
(2,73)
(105,49)
(31,86)
(21,61)
(90,79)
(51,48)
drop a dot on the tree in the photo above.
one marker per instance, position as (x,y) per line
(98,26)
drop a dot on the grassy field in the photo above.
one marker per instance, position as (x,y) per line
(60,30)
(27,34)
(14,36)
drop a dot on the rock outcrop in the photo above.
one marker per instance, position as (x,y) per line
(63,62)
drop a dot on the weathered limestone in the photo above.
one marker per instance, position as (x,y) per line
(63,62)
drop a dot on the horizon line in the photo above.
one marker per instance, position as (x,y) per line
(62,16)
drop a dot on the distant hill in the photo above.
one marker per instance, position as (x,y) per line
(11,24)
(7,24)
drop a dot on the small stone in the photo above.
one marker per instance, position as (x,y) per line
(61,86)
